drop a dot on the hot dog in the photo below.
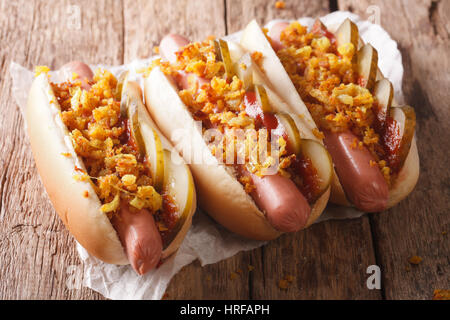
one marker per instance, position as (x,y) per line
(364,184)
(136,229)
(286,208)
(333,79)
(277,203)
(113,161)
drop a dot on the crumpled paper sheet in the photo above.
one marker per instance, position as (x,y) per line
(206,240)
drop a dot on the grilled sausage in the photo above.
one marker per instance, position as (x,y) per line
(140,237)
(362,181)
(285,206)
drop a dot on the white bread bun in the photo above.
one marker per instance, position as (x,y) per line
(56,161)
(221,194)
(253,39)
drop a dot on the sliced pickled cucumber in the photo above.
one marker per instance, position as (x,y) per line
(367,66)
(121,92)
(293,134)
(223,54)
(179,184)
(244,70)
(405,116)
(151,146)
(384,92)
(155,156)
(321,161)
(263,99)
(347,33)
(135,127)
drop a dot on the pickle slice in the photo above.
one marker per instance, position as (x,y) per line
(155,155)
(321,161)
(121,92)
(223,54)
(405,116)
(244,70)
(384,92)
(347,33)
(293,134)
(152,145)
(367,66)
(135,128)
(179,184)
(263,99)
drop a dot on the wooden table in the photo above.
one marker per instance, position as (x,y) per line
(328,260)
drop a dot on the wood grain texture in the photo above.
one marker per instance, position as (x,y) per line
(327,261)
(227,279)
(146,22)
(416,225)
(38,258)
(36,251)
(239,13)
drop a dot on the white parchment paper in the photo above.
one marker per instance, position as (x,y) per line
(206,240)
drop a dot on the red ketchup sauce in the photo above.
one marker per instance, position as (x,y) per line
(204,118)
(169,217)
(126,138)
(265,120)
(309,185)
(362,82)
(389,131)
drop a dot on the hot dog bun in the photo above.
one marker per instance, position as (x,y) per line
(221,195)
(253,39)
(76,201)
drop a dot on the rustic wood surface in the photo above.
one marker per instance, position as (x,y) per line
(38,258)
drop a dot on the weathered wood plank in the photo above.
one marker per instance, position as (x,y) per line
(195,20)
(36,251)
(239,13)
(146,22)
(227,279)
(416,226)
(328,260)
